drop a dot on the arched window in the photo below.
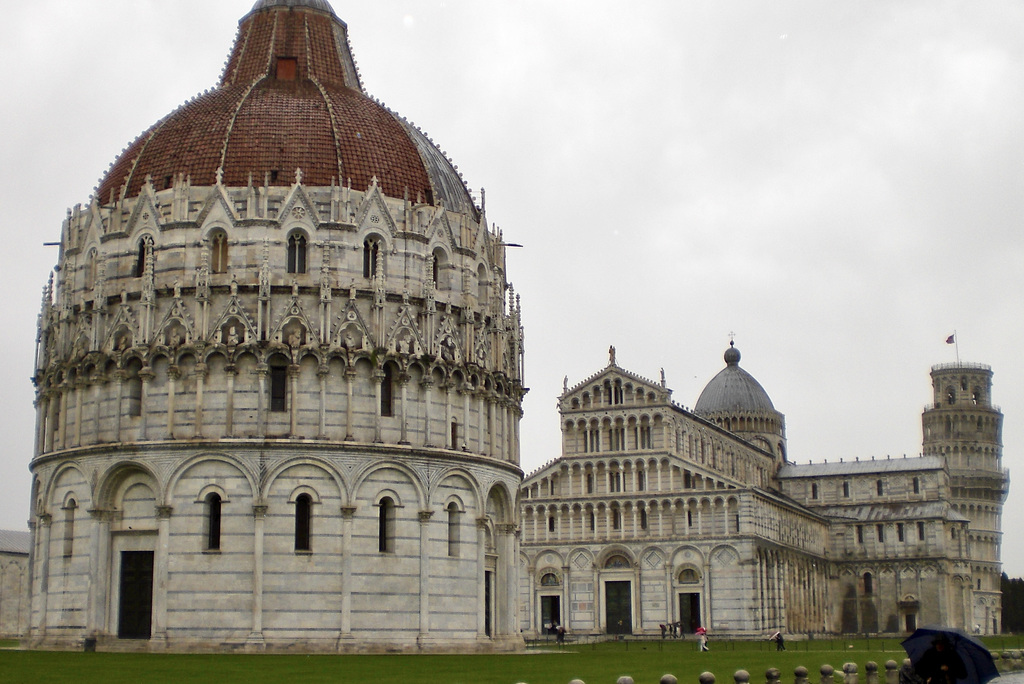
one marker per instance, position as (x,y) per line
(846,490)
(213,503)
(878,487)
(917,485)
(689,576)
(69,527)
(868,584)
(219,252)
(814,490)
(387,391)
(551,523)
(643,518)
(371,248)
(453,529)
(590,483)
(278,369)
(386,525)
(297,253)
(616,519)
(549,579)
(303,520)
(145,254)
(617,562)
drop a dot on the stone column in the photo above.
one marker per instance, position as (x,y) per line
(99,572)
(378,387)
(42,411)
(262,371)
(403,415)
(347,515)
(121,378)
(259,514)
(79,392)
(350,374)
(428,390)
(97,402)
(322,372)
(506,579)
(490,408)
(200,375)
(481,577)
(293,399)
(173,373)
(146,376)
(424,517)
(229,409)
(448,418)
(62,426)
(45,523)
(163,514)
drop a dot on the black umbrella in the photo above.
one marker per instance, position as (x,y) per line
(978,666)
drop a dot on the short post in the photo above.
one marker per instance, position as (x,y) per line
(706,678)
(826,674)
(577,681)
(871,672)
(800,675)
(668,679)
(892,672)
(772,675)
(741,677)
(850,672)
(624,679)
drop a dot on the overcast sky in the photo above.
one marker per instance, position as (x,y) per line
(840,184)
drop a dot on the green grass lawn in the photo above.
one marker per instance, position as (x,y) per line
(597,663)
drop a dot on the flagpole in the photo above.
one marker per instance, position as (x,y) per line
(956,343)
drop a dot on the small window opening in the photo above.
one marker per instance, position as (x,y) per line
(878,487)
(917,485)
(386,525)
(213,505)
(880,531)
(899,531)
(69,527)
(920,531)
(551,523)
(860,534)
(371,248)
(453,530)
(814,490)
(297,253)
(278,387)
(869,587)
(303,515)
(219,253)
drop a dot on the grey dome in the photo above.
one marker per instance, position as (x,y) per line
(733,389)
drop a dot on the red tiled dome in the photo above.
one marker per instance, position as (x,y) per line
(290,98)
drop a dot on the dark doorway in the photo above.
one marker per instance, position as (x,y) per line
(689,611)
(618,608)
(135,617)
(550,613)
(911,622)
(488,593)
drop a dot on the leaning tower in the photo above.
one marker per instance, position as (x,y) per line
(279,378)
(965,428)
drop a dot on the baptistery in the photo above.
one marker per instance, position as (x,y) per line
(279,379)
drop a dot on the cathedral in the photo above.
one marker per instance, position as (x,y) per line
(658,515)
(279,379)
(279,383)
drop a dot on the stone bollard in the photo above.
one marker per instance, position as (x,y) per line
(668,679)
(741,677)
(624,679)
(772,675)
(577,681)
(706,678)
(850,672)
(892,672)
(1015,663)
(826,674)
(871,672)
(800,675)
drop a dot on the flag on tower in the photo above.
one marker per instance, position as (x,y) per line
(951,339)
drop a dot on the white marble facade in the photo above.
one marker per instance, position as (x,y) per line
(279,414)
(656,514)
